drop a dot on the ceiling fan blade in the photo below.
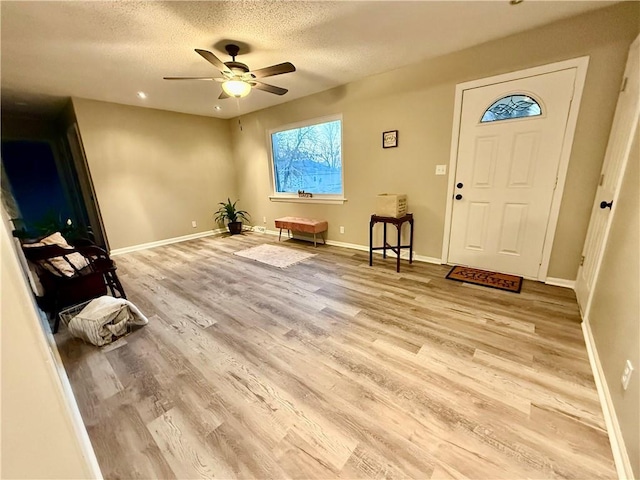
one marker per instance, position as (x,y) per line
(189,78)
(223,95)
(213,60)
(270,88)
(274,70)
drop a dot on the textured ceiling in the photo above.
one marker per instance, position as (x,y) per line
(111,50)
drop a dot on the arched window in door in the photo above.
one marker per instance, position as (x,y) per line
(517,105)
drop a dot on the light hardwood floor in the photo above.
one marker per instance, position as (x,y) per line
(334,369)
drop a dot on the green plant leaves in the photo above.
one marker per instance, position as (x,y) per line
(228,212)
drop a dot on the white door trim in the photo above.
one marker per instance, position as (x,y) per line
(580,64)
(616,194)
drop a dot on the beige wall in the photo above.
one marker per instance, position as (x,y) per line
(154,171)
(38,435)
(615,311)
(422,111)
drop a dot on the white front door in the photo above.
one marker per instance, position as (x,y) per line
(615,161)
(508,156)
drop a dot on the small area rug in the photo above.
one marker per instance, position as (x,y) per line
(501,281)
(280,257)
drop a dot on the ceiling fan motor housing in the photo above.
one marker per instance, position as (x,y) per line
(237,68)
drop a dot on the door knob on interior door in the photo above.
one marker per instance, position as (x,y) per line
(458,197)
(460,185)
(604,204)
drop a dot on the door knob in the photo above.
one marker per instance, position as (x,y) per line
(604,204)
(460,185)
(458,197)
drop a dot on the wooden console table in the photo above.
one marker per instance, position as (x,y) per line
(396,249)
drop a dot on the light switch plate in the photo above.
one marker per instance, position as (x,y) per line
(441,169)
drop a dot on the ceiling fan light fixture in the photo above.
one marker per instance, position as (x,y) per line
(236,88)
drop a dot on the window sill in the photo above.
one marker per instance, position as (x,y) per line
(318,200)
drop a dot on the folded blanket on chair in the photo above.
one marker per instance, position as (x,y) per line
(104,319)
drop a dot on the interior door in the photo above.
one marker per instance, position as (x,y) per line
(509,149)
(615,160)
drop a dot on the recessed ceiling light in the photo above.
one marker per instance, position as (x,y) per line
(515,2)
(142,95)
(217,107)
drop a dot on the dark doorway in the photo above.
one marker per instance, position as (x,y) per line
(41,195)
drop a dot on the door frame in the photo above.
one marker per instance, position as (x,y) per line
(580,64)
(87,189)
(584,309)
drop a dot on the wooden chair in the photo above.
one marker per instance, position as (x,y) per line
(86,283)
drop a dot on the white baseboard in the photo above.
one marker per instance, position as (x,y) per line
(620,455)
(79,425)
(561,282)
(263,230)
(271,232)
(365,248)
(167,241)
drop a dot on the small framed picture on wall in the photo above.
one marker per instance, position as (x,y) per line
(390,139)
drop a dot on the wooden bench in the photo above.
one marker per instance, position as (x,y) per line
(306,225)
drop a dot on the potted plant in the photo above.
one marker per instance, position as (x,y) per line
(233,216)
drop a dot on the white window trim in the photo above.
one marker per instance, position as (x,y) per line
(317,198)
(329,200)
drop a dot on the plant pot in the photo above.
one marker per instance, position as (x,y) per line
(234,227)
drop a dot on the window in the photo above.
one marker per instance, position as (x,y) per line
(512,106)
(308,158)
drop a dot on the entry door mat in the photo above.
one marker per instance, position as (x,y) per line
(501,281)
(280,257)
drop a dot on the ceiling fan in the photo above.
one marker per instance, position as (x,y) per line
(237,80)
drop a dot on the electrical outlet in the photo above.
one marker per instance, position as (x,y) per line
(626,374)
(264,219)
(194,224)
(341,229)
(441,169)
